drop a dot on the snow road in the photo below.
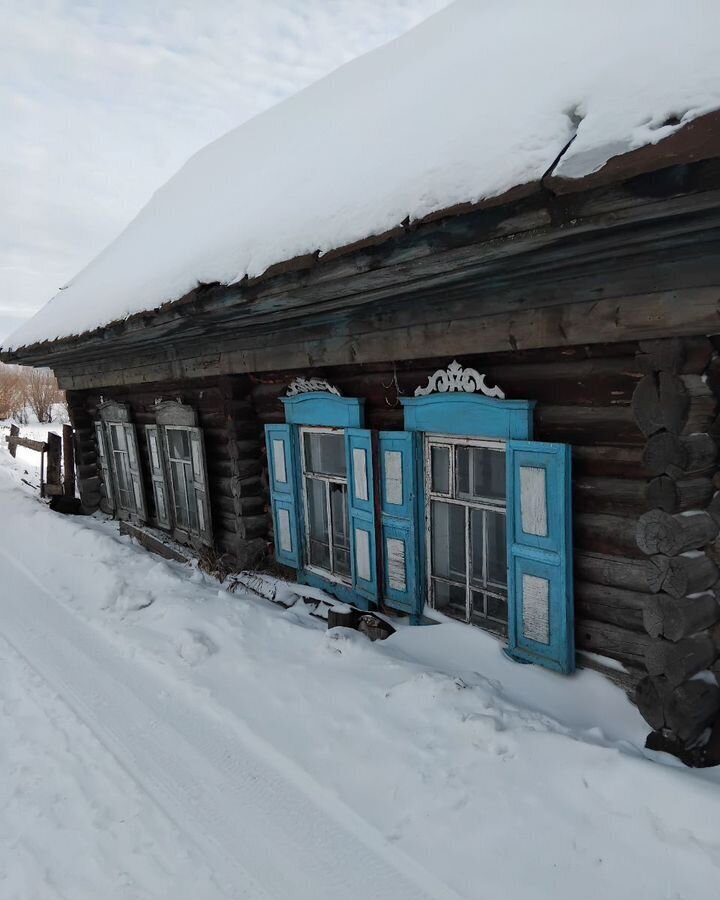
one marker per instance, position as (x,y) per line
(263,828)
(162,737)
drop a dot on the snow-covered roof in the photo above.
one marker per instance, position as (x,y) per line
(479,98)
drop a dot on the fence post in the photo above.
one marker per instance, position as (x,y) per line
(54,454)
(68,461)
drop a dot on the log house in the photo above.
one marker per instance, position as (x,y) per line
(505,412)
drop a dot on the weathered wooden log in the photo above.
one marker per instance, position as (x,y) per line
(675,618)
(615,496)
(610,462)
(603,603)
(612,535)
(660,532)
(644,575)
(646,407)
(714,508)
(253,526)
(587,424)
(689,574)
(669,454)
(609,640)
(680,660)
(685,710)
(238,506)
(688,402)
(680,404)
(690,355)
(673,496)
(248,486)
(649,698)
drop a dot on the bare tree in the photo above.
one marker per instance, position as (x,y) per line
(43,393)
(13,393)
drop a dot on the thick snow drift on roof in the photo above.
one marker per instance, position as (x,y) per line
(477,99)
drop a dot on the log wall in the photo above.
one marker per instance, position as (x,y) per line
(238,498)
(640,417)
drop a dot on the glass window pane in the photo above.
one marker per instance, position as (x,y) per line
(179,499)
(191,498)
(488,468)
(479,600)
(450,599)
(477,546)
(496,548)
(462,471)
(117,433)
(497,608)
(448,540)
(178,444)
(318,524)
(325,453)
(338,509)
(440,469)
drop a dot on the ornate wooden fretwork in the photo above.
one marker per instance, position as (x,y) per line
(456,378)
(310,385)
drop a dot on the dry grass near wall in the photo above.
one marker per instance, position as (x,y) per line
(24,391)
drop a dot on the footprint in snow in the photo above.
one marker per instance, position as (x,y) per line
(195,647)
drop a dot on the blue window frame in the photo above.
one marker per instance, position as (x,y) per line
(325,508)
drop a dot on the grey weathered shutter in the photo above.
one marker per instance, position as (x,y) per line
(197,446)
(104,461)
(135,472)
(157,473)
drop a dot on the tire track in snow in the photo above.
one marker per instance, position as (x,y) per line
(268,830)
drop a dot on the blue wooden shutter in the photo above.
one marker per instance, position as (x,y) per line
(399,512)
(361,512)
(539,533)
(283,493)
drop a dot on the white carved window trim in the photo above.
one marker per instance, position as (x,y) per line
(458,379)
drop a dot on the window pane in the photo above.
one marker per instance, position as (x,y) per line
(497,608)
(450,599)
(496,548)
(182,513)
(178,444)
(488,473)
(440,469)
(191,499)
(477,546)
(462,471)
(118,437)
(338,510)
(341,541)
(318,524)
(325,453)
(448,540)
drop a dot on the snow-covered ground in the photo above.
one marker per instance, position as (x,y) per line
(163,738)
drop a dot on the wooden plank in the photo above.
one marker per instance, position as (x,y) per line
(68,461)
(53,477)
(689,312)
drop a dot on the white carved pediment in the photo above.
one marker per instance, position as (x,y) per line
(457,379)
(310,385)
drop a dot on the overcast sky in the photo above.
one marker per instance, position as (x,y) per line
(101,102)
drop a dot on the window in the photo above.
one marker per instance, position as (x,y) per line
(327,530)
(176,457)
(467,562)
(180,464)
(121,466)
(119,462)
